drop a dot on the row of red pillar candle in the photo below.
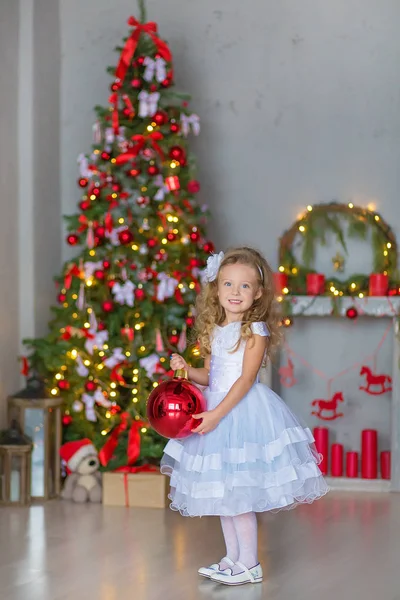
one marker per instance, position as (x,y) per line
(369,456)
(378,283)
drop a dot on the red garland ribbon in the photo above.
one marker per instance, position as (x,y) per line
(113,100)
(115,376)
(141,141)
(133,452)
(25,366)
(73,271)
(131,43)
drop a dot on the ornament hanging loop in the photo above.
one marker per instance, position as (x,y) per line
(181,374)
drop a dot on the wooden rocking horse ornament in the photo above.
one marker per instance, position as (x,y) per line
(380,384)
(327,409)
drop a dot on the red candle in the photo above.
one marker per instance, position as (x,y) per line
(337,460)
(321,436)
(378,284)
(369,454)
(280,282)
(385,464)
(352,464)
(315,284)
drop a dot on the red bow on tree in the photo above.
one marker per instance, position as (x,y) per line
(141,141)
(131,44)
(133,450)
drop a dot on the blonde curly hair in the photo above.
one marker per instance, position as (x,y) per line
(264,309)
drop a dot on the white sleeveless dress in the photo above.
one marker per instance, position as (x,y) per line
(258,458)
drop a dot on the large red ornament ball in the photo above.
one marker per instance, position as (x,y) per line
(160,118)
(90,386)
(125,237)
(108,306)
(171,405)
(177,153)
(72,239)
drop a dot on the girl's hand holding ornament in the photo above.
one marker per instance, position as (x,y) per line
(177,363)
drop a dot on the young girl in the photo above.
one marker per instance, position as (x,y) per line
(249,453)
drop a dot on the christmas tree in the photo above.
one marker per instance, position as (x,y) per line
(127,300)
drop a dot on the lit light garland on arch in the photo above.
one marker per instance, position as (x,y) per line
(313,225)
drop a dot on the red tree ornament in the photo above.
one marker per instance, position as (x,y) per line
(99,231)
(153,170)
(171,405)
(209,247)
(63,384)
(351,313)
(125,237)
(177,153)
(61,298)
(375,384)
(105,155)
(106,264)
(139,294)
(108,306)
(174,128)
(134,172)
(160,118)
(72,239)
(84,205)
(136,83)
(193,187)
(172,182)
(82,182)
(327,409)
(99,274)
(90,386)
(195,236)
(66,420)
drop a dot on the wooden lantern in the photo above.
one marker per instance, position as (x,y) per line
(15,467)
(40,419)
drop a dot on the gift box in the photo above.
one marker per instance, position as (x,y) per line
(135,490)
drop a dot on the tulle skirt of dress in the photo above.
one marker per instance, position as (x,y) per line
(259,458)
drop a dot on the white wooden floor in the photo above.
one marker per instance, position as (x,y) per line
(344,547)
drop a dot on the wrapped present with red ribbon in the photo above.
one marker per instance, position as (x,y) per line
(131,485)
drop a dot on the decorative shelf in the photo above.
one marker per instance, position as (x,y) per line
(321,306)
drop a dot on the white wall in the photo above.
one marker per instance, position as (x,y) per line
(9,325)
(299,101)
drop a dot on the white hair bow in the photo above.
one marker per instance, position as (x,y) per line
(213,265)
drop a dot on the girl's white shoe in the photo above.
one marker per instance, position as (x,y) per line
(215,568)
(226,577)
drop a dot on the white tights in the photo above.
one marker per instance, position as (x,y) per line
(240,534)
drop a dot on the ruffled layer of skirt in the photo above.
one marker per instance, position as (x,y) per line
(259,458)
